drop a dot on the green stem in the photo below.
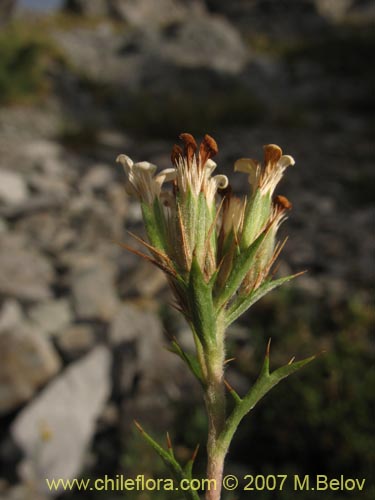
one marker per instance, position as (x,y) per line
(216,411)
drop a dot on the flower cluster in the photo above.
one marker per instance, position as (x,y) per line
(216,249)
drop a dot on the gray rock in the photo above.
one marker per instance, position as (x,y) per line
(28,361)
(98,177)
(10,315)
(209,42)
(13,188)
(94,292)
(55,430)
(3,226)
(75,340)
(24,273)
(132,323)
(146,280)
(51,316)
(161,13)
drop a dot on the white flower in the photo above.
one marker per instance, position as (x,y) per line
(194,171)
(266,178)
(141,179)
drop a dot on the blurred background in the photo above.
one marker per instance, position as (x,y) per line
(84,325)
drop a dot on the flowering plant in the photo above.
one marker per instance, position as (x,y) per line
(217,251)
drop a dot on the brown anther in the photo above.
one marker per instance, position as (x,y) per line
(283,202)
(272,154)
(176,153)
(190,146)
(207,149)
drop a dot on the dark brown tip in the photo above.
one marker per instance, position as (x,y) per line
(176,153)
(207,149)
(211,145)
(169,442)
(138,426)
(272,153)
(190,146)
(228,386)
(268,348)
(189,141)
(195,453)
(283,202)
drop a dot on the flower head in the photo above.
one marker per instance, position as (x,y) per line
(215,252)
(142,181)
(265,177)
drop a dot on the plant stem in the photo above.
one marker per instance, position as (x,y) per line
(216,411)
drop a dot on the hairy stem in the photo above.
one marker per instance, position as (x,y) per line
(216,411)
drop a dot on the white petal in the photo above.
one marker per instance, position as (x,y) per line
(210,166)
(286,161)
(145,165)
(246,165)
(125,161)
(221,181)
(166,175)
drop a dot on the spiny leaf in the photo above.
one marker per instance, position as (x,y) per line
(242,304)
(240,268)
(232,392)
(265,382)
(168,458)
(188,469)
(189,359)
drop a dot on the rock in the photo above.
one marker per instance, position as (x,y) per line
(50,232)
(28,361)
(55,430)
(98,223)
(10,315)
(208,42)
(75,340)
(146,280)
(24,273)
(3,226)
(88,8)
(94,292)
(42,184)
(140,13)
(161,13)
(334,11)
(13,188)
(98,178)
(131,323)
(51,316)
(354,10)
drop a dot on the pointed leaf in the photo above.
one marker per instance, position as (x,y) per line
(242,304)
(265,382)
(169,460)
(189,359)
(240,268)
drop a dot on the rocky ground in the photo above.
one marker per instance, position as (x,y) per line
(82,327)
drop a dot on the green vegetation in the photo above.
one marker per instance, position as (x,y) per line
(26,58)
